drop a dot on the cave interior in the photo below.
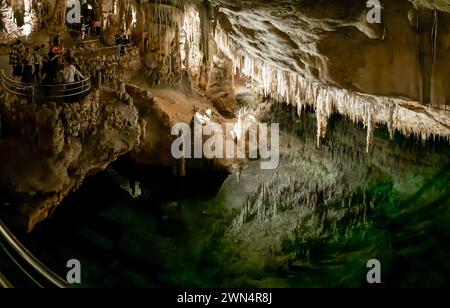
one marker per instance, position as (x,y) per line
(349,102)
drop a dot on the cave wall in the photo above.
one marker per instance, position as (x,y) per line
(158,36)
(408,62)
(48,149)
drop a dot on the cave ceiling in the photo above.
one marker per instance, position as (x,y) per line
(331,42)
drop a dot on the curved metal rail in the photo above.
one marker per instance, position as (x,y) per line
(116,47)
(4,283)
(68,90)
(29,258)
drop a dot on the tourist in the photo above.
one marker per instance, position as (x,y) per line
(70,74)
(15,59)
(122,43)
(51,67)
(38,64)
(96,25)
(28,61)
(83,31)
(88,24)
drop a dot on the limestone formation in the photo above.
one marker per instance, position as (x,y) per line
(323,57)
(51,148)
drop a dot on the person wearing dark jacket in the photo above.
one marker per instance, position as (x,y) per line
(15,59)
(51,68)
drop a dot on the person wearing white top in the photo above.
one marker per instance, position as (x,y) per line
(83,31)
(70,71)
(69,74)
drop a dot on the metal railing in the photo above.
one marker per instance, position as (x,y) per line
(79,45)
(85,42)
(26,256)
(115,47)
(4,283)
(56,91)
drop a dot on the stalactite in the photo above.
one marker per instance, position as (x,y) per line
(160,25)
(409,118)
(126,14)
(370,127)
(434,36)
(191,53)
(324,111)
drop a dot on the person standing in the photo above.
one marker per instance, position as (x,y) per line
(70,73)
(15,59)
(83,31)
(37,57)
(122,43)
(28,60)
(51,68)
(88,24)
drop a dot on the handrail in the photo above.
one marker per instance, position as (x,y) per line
(99,49)
(4,76)
(115,47)
(87,42)
(28,257)
(4,283)
(24,271)
(65,84)
(54,91)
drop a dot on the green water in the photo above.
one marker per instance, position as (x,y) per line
(398,213)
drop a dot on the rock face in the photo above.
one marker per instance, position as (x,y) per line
(220,89)
(159,111)
(158,31)
(51,148)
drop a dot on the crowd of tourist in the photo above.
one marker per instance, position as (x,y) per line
(47,67)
